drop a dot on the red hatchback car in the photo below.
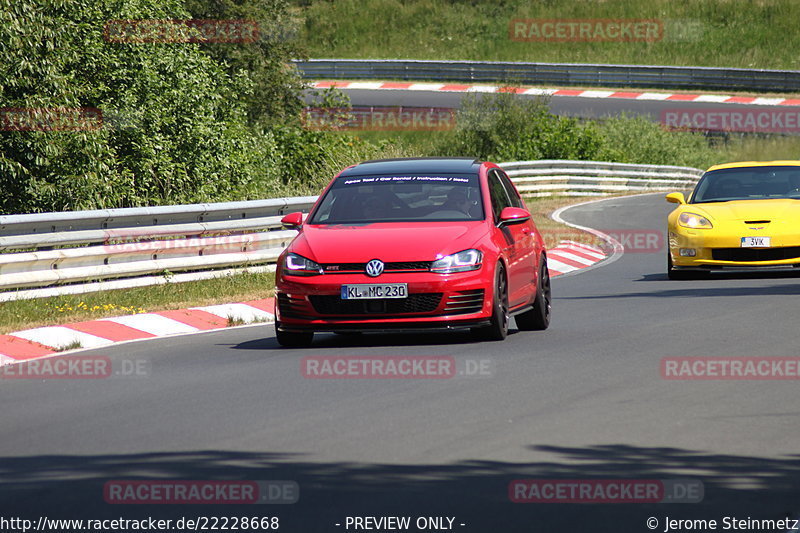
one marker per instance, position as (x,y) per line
(413,244)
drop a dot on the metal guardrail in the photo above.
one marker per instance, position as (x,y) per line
(143,245)
(85,251)
(595,178)
(147,216)
(565,74)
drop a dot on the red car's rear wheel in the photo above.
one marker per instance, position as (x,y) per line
(538,318)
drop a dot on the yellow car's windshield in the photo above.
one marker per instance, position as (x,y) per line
(748,183)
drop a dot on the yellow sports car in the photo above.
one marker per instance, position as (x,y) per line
(740,215)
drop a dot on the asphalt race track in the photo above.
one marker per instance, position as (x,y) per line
(585,399)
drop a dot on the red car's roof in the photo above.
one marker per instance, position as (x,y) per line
(427,165)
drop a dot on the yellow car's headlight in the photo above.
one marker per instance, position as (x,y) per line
(694,221)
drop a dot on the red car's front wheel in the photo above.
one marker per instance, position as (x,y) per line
(294,339)
(497,330)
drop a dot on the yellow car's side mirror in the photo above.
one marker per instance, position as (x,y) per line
(676,198)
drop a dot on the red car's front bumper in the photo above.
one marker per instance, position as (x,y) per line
(434,301)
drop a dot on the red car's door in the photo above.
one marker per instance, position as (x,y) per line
(520,250)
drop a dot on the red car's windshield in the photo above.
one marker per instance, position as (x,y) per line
(368,199)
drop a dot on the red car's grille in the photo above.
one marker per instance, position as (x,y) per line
(755,254)
(464,302)
(395,266)
(414,304)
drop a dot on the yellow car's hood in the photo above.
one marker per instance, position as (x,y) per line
(782,210)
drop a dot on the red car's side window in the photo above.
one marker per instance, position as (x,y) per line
(499,195)
(513,195)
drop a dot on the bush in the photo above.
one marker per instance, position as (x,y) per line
(309,159)
(503,127)
(639,140)
(175,128)
(277,86)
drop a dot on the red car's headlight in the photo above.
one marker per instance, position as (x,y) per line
(458,262)
(297,265)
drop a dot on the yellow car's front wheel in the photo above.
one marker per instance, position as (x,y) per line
(683,275)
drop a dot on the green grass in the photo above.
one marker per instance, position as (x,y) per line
(764,148)
(24,314)
(723,33)
(74,345)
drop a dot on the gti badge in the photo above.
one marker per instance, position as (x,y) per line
(374,268)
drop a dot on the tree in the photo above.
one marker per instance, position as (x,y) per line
(277,85)
(174,125)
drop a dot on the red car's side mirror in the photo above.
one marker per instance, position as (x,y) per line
(514,215)
(292,220)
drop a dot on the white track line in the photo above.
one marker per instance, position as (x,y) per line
(617,249)
(154,324)
(244,312)
(60,336)
(572,257)
(563,268)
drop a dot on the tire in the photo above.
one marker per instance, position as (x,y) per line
(294,339)
(497,330)
(683,275)
(538,317)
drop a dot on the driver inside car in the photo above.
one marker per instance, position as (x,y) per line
(376,207)
(794,185)
(457,201)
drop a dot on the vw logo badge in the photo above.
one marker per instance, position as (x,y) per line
(374,268)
